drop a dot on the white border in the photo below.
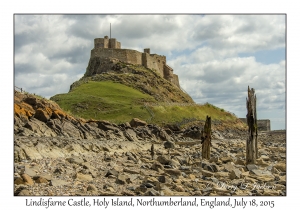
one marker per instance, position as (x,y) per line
(8,201)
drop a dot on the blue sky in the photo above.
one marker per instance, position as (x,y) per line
(267,56)
(215,56)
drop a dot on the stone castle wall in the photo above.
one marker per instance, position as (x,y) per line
(124,55)
(154,62)
(176,80)
(105,48)
(168,73)
(262,125)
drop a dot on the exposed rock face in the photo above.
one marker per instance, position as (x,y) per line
(56,154)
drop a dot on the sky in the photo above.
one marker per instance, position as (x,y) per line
(215,56)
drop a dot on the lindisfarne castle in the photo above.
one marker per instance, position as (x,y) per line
(105,48)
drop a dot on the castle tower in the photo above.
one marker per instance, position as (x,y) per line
(147,50)
(106,43)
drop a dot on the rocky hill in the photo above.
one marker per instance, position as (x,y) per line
(136,76)
(58,154)
(125,91)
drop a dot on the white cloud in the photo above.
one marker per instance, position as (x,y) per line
(52,51)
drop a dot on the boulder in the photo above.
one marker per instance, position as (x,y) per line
(251,167)
(58,182)
(41,180)
(130,171)
(123,179)
(152,180)
(135,122)
(130,134)
(92,187)
(157,166)
(259,172)
(179,188)
(166,191)
(27,179)
(24,192)
(192,132)
(169,144)
(174,172)
(106,125)
(229,166)
(163,159)
(84,177)
(265,178)
(30,171)
(19,180)
(164,136)
(207,173)
(113,172)
(76,160)
(164,179)
(235,174)
(281,166)
(43,114)
(226,159)
(221,174)
(151,192)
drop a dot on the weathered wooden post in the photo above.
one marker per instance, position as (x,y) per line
(152,151)
(251,144)
(206,139)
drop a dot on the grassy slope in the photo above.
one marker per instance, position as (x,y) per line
(142,79)
(106,100)
(177,113)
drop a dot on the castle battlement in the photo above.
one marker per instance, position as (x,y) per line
(106,43)
(111,48)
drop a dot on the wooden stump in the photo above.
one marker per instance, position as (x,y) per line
(206,139)
(152,151)
(251,144)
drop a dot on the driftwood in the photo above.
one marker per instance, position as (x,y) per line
(251,144)
(206,139)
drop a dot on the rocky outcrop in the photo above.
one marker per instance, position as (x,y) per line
(57,154)
(41,117)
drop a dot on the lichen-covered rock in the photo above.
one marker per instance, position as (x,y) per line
(43,114)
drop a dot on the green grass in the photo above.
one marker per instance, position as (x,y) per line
(104,100)
(176,113)
(142,79)
(118,103)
